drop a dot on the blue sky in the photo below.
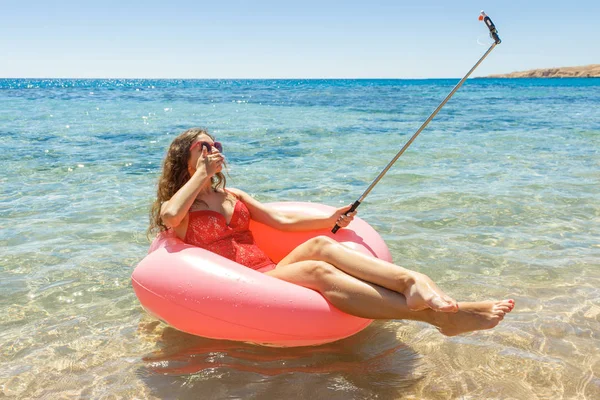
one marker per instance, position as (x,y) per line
(284,39)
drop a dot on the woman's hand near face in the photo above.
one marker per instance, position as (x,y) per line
(211,163)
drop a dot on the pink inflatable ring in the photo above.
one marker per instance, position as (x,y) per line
(201,293)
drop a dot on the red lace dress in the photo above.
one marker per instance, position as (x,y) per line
(208,229)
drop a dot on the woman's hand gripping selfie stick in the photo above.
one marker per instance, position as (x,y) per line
(494,35)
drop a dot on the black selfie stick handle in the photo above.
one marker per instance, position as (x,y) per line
(354,207)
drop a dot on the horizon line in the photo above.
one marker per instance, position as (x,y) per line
(245,79)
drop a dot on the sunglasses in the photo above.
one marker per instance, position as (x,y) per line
(208,146)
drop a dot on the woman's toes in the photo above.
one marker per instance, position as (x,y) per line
(504,308)
(453,304)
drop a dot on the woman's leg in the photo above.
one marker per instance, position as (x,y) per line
(420,291)
(367,300)
(345,292)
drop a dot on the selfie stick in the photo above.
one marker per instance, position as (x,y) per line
(494,35)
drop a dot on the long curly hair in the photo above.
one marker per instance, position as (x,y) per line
(175,174)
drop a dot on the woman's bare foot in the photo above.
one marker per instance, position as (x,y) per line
(423,293)
(473,317)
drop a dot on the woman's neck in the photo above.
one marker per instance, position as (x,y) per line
(204,191)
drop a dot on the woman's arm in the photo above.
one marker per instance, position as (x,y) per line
(174,210)
(291,221)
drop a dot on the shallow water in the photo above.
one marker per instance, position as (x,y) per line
(497,198)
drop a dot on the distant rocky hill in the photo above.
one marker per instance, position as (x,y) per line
(586,71)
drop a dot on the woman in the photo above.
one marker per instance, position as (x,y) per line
(193,202)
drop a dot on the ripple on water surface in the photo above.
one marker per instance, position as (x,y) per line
(496,199)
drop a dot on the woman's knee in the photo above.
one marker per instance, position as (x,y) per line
(320,271)
(320,246)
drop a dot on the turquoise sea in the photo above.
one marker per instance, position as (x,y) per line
(498,198)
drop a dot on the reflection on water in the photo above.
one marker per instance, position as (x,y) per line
(349,368)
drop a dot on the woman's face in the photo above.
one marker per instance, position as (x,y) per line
(196,148)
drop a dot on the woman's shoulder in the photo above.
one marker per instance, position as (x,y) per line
(237,193)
